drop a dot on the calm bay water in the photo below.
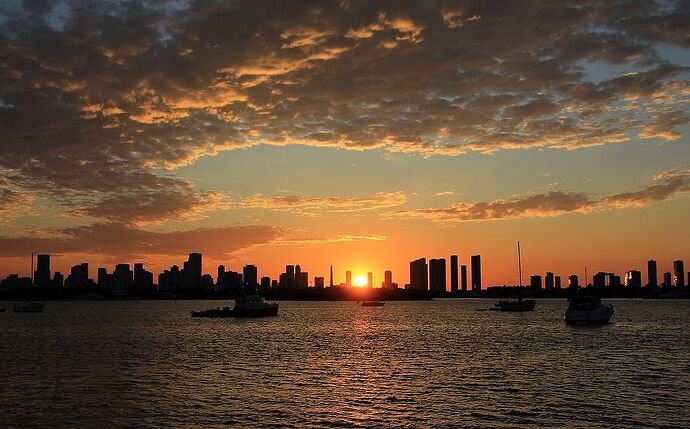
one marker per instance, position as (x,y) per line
(334,364)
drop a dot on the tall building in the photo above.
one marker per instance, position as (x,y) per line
(265,283)
(195,269)
(387,280)
(548,280)
(573,281)
(330,283)
(476,273)
(250,276)
(58,279)
(678,274)
(463,277)
(42,273)
(123,277)
(453,273)
(535,281)
(557,282)
(289,277)
(318,282)
(301,278)
(599,279)
(79,275)
(348,278)
(437,274)
(419,274)
(633,278)
(221,276)
(651,273)
(667,279)
(370,280)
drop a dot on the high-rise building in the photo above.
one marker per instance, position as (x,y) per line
(370,280)
(573,281)
(221,276)
(678,274)
(535,281)
(265,283)
(667,279)
(195,269)
(42,273)
(250,276)
(58,279)
(301,278)
(318,282)
(476,263)
(387,280)
(453,273)
(348,278)
(633,278)
(289,277)
(419,276)
(599,279)
(79,275)
(463,277)
(123,277)
(437,274)
(651,273)
(548,280)
(557,282)
(330,282)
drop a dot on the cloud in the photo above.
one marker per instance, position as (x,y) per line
(444,193)
(100,103)
(344,238)
(665,186)
(379,200)
(121,241)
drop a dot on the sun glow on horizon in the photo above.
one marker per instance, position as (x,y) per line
(360,281)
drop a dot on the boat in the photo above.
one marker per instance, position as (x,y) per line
(588,310)
(520,304)
(29,307)
(251,305)
(373,304)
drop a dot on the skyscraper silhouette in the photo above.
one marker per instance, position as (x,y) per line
(476,273)
(42,273)
(453,273)
(437,274)
(370,280)
(250,275)
(651,273)
(330,283)
(419,279)
(678,274)
(548,280)
(348,278)
(463,277)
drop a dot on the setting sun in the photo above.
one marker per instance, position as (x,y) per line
(360,281)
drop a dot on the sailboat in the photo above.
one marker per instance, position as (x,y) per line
(520,304)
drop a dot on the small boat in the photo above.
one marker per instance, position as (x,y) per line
(588,310)
(373,304)
(519,305)
(245,306)
(29,307)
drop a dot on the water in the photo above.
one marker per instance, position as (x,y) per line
(335,364)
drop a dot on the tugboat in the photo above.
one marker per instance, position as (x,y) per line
(29,307)
(588,310)
(520,304)
(251,305)
(373,304)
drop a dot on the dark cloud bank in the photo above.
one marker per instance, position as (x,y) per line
(100,101)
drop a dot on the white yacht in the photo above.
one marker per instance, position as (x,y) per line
(588,310)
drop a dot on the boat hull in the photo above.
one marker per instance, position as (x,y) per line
(227,312)
(32,307)
(599,316)
(515,306)
(373,304)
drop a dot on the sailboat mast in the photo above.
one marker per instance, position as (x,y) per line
(519,264)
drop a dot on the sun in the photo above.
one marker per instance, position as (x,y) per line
(360,281)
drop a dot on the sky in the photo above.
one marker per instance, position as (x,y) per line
(361,135)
